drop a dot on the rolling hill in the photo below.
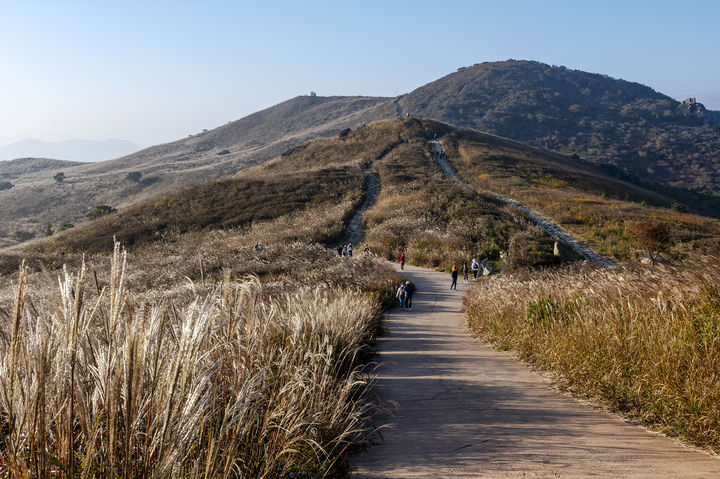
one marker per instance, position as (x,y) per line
(633,132)
(36,199)
(69,150)
(419,210)
(640,132)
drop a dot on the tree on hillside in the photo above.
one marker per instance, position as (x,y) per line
(650,236)
(60,177)
(49,229)
(5,185)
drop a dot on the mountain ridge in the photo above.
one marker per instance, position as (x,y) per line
(629,129)
(606,120)
(80,150)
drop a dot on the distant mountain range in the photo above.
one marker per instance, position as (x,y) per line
(70,150)
(633,132)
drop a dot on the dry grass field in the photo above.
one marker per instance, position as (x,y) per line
(642,340)
(194,356)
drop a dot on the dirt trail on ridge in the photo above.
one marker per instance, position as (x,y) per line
(466,410)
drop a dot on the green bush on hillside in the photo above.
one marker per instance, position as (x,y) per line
(100,211)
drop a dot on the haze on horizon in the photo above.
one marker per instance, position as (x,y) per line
(153,73)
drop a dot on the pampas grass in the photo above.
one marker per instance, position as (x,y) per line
(231,382)
(645,341)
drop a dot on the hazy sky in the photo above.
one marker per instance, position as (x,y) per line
(155,71)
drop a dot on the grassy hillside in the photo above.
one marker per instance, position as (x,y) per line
(37,198)
(595,206)
(605,120)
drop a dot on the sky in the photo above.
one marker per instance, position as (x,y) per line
(156,71)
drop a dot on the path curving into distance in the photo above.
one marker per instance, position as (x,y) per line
(466,410)
(354,232)
(553,229)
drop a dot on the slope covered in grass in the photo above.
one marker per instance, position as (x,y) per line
(584,199)
(37,199)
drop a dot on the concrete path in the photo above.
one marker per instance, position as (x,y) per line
(466,410)
(550,227)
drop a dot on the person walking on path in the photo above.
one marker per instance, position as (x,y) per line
(454,274)
(483,265)
(465,271)
(339,250)
(409,290)
(367,250)
(349,247)
(475,267)
(400,295)
(402,260)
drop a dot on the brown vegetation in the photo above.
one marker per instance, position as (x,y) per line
(592,205)
(643,341)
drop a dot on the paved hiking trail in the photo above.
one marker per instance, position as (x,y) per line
(466,410)
(550,227)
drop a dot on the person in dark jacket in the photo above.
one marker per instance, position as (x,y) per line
(409,290)
(454,274)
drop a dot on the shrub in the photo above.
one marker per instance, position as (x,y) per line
(65,226)
(100,211)
(5,185)
(134,176)
(651,237)
(530,250)
(223,152)
(59,177)
(21,236)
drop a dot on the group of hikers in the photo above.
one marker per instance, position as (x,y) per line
(346,250)
(404,294)
(475,267)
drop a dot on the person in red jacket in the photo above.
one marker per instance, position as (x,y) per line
(402,260)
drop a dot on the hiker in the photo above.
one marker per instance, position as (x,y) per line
(367,250)
(465,271)
(339,250)
(344,251)
(475,267)
(409,290)
(400,295)
(402,260)
(454,274)
(349,249)
(483,264)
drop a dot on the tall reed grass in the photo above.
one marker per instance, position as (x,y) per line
(644,341)
(234,383)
